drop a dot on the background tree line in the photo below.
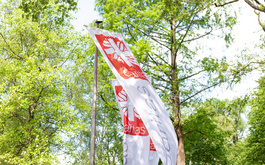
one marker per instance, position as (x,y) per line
(46,76)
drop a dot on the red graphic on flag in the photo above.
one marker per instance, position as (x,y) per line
(118,54)
(152,146)
(135,127)
(132,127)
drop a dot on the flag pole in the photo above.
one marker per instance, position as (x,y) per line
(93,129)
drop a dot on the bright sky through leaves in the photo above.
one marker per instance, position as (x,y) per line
(85,15)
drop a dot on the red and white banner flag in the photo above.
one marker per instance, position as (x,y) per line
(138,148)
(141,93)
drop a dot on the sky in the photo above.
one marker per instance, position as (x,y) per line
(85,15)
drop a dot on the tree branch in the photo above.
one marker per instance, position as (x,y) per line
(101,96)
(200,36)
(162,86)
(260,23)
(186,33)
(19,57)
(233,77)
(160,71)
(257,2)
(166,94)
(154,61)
(201,91)
(184,78)
(225,3)
(253,62)
(163,79)
(68,56)
(161,59)
(130,32)
(21,117)
(34,105)
(197,118)
(259,8)
(42,89)
(193,131)
(150,36)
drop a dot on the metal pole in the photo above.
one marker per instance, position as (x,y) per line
(93,129)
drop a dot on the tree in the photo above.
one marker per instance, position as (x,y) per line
(214,131)
(166,37)
(35,114)
(256,139)
(205,137)
(35,9)
(259,8)
(257,5)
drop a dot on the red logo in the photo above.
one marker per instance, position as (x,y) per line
(152,146)
(135,126)
(118,54)
(132,127)
(121,94)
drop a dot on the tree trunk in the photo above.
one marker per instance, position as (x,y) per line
(178,129)
(175,97)
(181,152)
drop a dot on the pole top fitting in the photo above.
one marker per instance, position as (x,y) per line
(98,21)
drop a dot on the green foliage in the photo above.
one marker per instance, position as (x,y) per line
(255,141)
(35,112)
(213,131)
(36,10)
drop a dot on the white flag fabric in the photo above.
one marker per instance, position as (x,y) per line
(141,93)
(138,148)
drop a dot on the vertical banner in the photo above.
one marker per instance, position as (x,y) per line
(141,93)
(138,148)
